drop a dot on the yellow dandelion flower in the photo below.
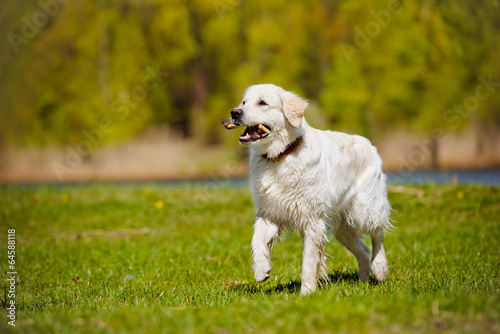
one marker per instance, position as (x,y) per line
(460,194)
(159,205)
(65,197)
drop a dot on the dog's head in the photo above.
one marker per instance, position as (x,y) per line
(268,112)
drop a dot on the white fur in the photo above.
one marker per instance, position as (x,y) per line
(331,178)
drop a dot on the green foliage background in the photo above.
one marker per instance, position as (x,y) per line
(366,66)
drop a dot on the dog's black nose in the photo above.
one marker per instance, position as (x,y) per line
(236,113)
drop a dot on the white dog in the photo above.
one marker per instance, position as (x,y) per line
(305,179)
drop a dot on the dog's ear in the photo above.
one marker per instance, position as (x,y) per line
(293,107)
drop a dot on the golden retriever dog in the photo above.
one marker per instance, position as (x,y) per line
(305,179)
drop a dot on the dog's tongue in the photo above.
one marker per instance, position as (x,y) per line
(250,134)
(255,132)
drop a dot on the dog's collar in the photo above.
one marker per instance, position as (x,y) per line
(289,149)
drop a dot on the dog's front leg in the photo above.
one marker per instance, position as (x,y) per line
(265,234)
(313,242)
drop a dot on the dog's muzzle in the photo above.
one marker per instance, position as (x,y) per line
(252,133)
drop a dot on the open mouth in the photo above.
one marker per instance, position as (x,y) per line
(256,132)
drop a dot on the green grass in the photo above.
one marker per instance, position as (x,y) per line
(103,258)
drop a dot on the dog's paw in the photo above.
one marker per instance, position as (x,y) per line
(380,270)
(262,276)
(307,289)
(262,270)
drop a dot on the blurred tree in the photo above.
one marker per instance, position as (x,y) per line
(409,66)
(371,66)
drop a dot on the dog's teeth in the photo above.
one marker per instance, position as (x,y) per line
(263,128)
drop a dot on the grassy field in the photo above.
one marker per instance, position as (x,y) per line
(151,258)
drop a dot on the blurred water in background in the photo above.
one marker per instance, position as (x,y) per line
(484,176)
(487,177)
(480,177)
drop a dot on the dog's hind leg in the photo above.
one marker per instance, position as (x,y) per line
(264,237)
(379,266)
(351,240)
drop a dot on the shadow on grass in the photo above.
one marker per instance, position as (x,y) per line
(290,287)
(255,288)
(348,277)
(335,277)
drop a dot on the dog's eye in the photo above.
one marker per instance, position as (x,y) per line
(262,103)
(243,103)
